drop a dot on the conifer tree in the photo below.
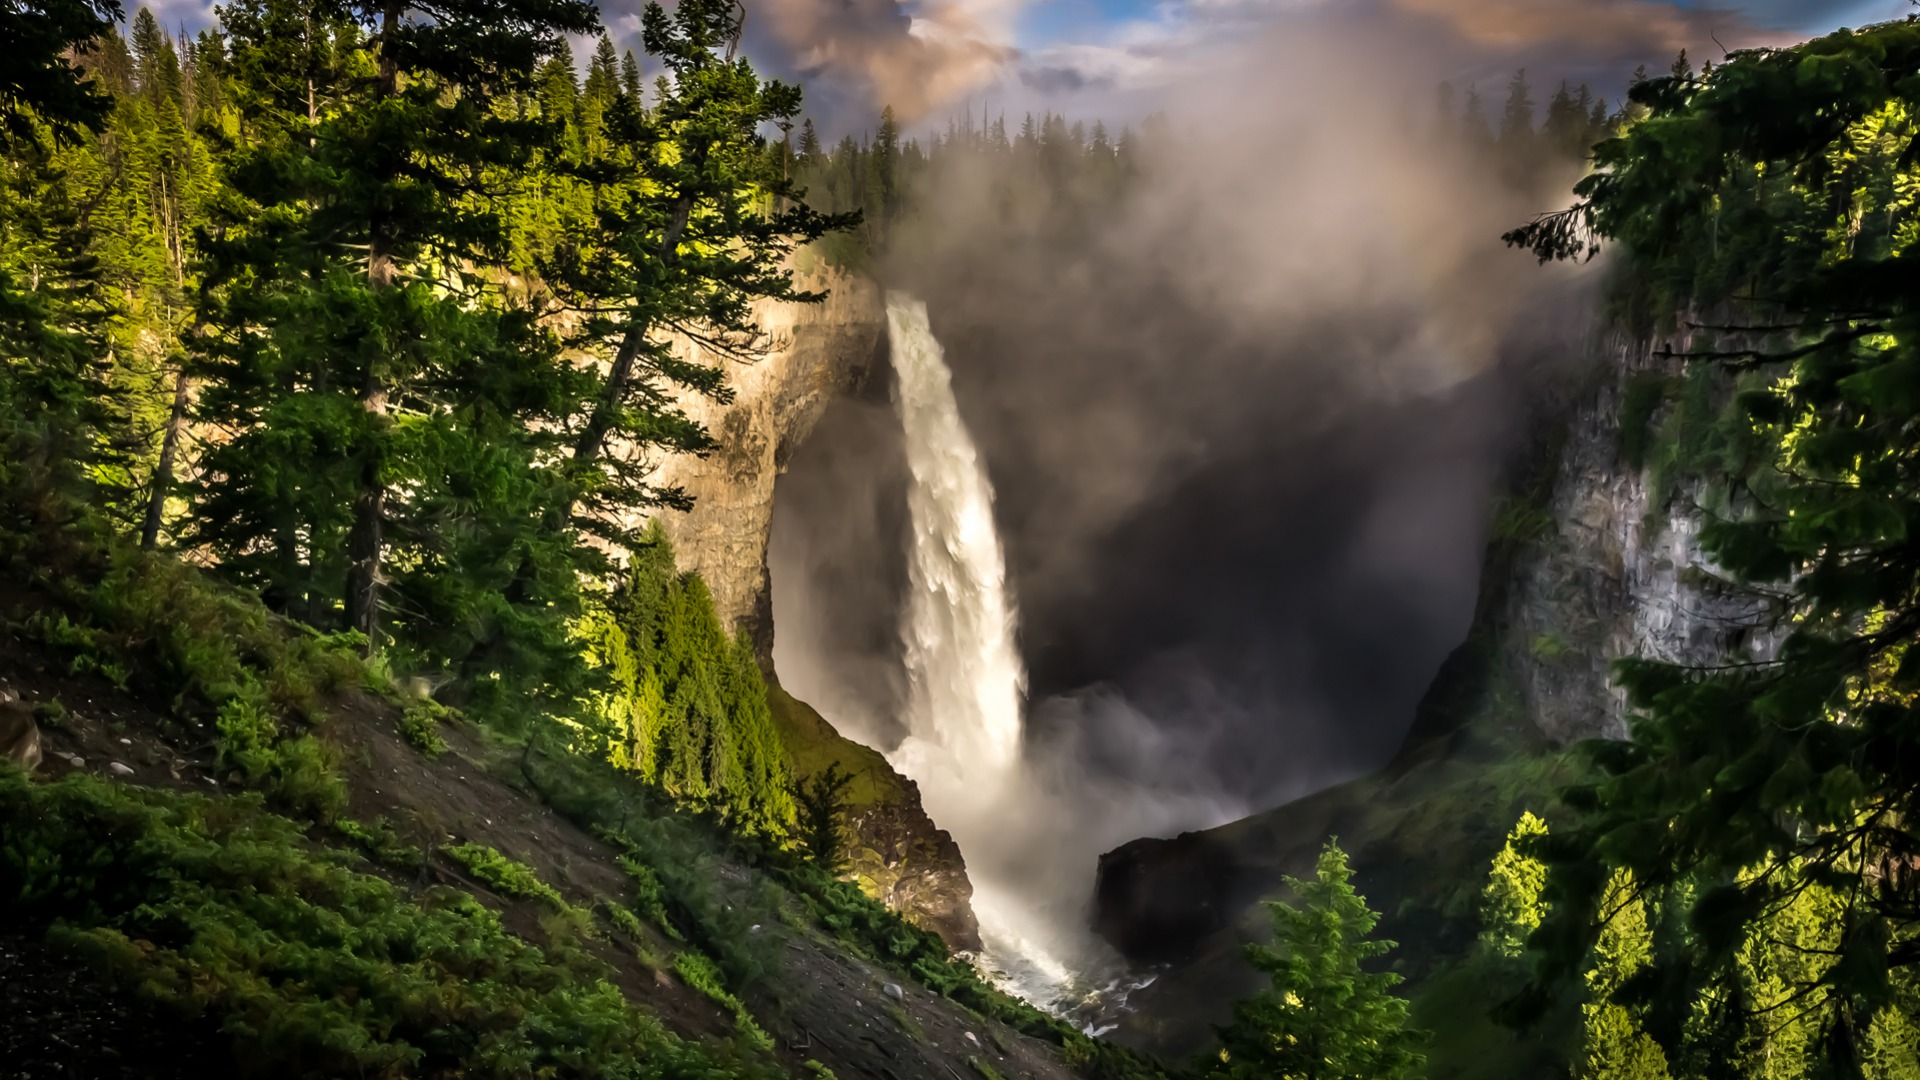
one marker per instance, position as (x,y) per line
(630,78)
(37,82)
(385,363)
(1616,1047)
(1776,189)
(56,418)
(688,247)
(1326,1016)
(1510,905)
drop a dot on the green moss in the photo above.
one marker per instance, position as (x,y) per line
(813,745)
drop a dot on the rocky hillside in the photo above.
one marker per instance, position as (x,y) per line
(1594,557)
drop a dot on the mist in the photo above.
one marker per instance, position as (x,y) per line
(1242,422)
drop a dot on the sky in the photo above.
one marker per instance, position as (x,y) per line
(932,59)
(1117,59)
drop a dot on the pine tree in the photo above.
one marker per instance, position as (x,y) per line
(630,83)
(822,799)
(1775,191)
(1325,1017)
(688,248)
(38,84)
(1510,905)
(364,135)
(1616,1047)
(56,415)
(809,140)
(1516,116)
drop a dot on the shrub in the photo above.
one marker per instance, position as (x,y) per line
(503,875)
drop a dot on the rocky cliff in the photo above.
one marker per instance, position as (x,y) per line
(813,353)
(1595,556)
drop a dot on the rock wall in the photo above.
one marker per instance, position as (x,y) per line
(815,353)
(1618,570)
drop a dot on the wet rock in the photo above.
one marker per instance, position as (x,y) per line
(119,769)
(893,991)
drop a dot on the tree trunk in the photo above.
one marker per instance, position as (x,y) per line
(163,470)
(364,540)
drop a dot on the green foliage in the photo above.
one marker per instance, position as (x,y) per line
(217,908)
(382,843)
(697,971)
(1325,1017)
(687,708)
(1775,198)
(420,726)
(649,898)
(823,809)
(1510,906)
(503,875)
(683,856)
(1617,1046)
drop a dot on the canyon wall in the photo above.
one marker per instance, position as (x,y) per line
(813,353)
(1595,556)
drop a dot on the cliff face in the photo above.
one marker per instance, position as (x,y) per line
(1595,558)
(814,353)
(1618,570)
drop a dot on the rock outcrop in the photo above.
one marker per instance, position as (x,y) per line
(814,353)
(1594,559)
(895,852)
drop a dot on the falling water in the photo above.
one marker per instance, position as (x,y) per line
(966,679)
(967,690)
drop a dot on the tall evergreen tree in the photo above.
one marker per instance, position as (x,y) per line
(352,351)
(37,81)
(1777,190)
(687,248)
(1326,1016)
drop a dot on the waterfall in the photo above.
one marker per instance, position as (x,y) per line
(967,690)
(966,681)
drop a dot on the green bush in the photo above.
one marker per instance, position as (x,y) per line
(503,875)
(699,972)
(420,726)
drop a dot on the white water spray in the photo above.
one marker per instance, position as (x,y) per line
(966,697)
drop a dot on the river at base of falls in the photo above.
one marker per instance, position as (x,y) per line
(967,689)
(1084,983)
